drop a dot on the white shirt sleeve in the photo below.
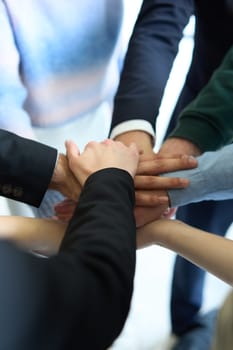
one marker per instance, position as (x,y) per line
(131,125)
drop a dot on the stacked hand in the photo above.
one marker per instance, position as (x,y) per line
(63,179)
(152,201)
(101,155)
(78,167)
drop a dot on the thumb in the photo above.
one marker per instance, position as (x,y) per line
(72,150)
(134,148)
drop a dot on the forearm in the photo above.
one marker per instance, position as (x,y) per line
(87,277)
(207,121)
(211,180)
(209,251)
(23,162)
(143,140)
(40,235)
(151,52)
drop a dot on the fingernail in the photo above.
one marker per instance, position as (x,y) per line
(163,199)
(184,182)
(190,159)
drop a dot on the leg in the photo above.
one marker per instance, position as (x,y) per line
(188,280)
(200,338)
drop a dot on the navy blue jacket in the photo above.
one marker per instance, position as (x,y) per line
(154,45)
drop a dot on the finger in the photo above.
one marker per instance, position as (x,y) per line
(64,210)
(150,199)
(169,213)
(91,144)
(161,166)
(134,148)
(64,218)
(145,215)
(159,183)
(108,142)
(65,202)
(155,156)
(72,149)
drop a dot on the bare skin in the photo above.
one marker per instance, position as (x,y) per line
(150,189)
(207,250)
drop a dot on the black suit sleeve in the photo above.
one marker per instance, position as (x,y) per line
(26,168)
(151,52)
(80,298)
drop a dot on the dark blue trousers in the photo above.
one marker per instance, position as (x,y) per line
(188,279)
(212,216)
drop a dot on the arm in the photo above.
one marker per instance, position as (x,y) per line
(43,236)
(211,180)
(28,168)
(64,297)
(207,122)
(150,55)
(206,250)
(150,188)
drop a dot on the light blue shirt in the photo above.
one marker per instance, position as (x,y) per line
(211,180)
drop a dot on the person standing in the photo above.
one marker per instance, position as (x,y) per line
(151,53)
(58,303)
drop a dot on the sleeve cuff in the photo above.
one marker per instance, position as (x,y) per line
(132,125)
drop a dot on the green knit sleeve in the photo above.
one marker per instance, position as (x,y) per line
(208,120)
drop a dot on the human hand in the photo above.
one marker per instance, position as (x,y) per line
(161,232)
(151,189)
(180,145)
(142,139)
(154,187)
(65,209)
(63,180)
(101,155)
(149,234)
(145,215)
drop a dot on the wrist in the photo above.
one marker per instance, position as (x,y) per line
(57,179)
(142,139)
(180,146)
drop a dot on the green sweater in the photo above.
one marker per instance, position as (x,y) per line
(208,120)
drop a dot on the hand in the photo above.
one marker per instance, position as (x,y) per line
(145,215)
(65,209)
(143,140)
(97,156)
(63,179)
(181,146)
(150,189)
(150,234)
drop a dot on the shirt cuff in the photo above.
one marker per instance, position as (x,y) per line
(132,125)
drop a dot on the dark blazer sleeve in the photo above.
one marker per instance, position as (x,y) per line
(26,168)
(80,298)
(207,121)
(151,52)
